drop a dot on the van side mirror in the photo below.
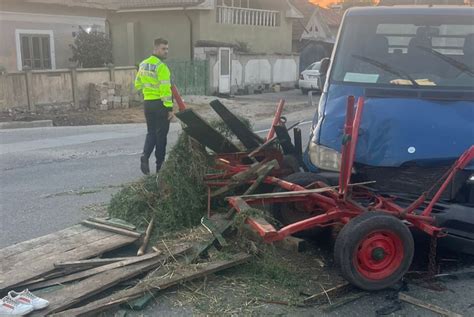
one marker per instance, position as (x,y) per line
(324,66)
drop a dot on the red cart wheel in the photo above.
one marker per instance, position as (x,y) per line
(374,250)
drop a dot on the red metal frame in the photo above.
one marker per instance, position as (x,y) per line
(177,97)
(276,119)
(339,205)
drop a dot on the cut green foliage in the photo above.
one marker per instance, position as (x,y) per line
(176,197)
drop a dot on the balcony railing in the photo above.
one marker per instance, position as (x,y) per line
(245,16)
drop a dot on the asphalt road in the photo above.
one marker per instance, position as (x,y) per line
(52,178)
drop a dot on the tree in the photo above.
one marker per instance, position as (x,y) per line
(91,48)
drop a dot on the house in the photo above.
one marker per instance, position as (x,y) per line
(245,44)
(37,33)
(314,35)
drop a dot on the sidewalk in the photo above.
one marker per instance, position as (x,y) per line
(252,107)
(258,106)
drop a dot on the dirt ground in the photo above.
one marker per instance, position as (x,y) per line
(276,282)
(257,107)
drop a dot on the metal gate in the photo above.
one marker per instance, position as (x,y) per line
(191,77)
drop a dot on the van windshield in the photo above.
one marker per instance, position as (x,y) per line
(418,51)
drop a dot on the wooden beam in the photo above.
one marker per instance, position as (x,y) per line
(87,263)
(298,192)
(73,294)
(248,138)
(417,302)
(19,269)
(111,229)
(326,295)
(114,222)
(179,276)
(148,231)
(94,271)
(255,170)
(200,130)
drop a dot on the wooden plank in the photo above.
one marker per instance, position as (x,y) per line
(341,302)
(142,249)
(242,177)
(32,269)
(49,252)
(74,294)
(49,249)
(262,174)
(417,302)
(93,271)
(200,130)
(111,229)
(114,222)
(87,263)
(26,246)
(284,139)
(212,228)
(326,295)
(249,139)
(56,248)
(225,225)
(179,276)
(298,192)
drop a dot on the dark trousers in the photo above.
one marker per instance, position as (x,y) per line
(158,125)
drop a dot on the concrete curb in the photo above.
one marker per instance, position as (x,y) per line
(26,124)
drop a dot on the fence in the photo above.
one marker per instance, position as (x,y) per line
(191,77)
(69,88)
(247,16)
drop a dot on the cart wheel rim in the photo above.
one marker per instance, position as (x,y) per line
(379,255)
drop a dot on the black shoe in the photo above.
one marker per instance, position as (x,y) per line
(144,165)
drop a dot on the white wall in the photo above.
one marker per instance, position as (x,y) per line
(252,69)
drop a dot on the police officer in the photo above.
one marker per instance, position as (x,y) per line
(154,80)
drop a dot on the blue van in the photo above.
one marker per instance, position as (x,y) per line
(414,65)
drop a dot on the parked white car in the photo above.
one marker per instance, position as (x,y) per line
(310,78)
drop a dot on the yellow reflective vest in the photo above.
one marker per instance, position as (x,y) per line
(154,79)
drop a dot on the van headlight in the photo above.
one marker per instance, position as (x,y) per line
(470,180)
(324,157)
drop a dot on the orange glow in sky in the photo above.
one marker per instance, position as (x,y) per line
(323,3)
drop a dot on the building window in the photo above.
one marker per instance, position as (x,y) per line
(35,51)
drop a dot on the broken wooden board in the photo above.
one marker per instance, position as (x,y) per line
(200,130)
(284,139)
(260,170)
(417,302)
(114,222)
(179,276)
(90,272)
(298,192)
(35,258)
(86,264)
(327,295)
(339,302)
(111,228)
(73,294)
(249,139)
(212,228)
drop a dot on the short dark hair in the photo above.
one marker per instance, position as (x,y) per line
(160,41)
